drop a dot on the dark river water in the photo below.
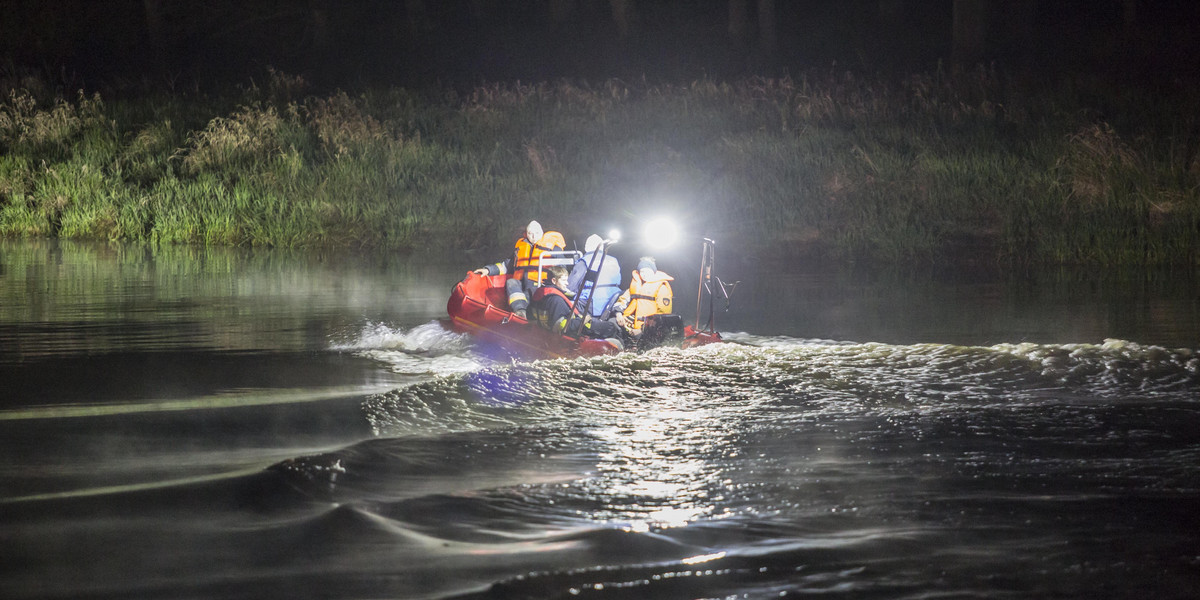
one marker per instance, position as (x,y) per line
(192,423)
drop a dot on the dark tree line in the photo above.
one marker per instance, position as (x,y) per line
(434,39)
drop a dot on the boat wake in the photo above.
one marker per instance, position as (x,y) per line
(771,464)
(427,349)
(821,374)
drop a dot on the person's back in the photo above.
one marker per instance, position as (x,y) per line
(649,293)
(597,272)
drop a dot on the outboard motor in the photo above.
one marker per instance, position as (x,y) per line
(659,330)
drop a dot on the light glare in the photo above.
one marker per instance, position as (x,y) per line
(661,233)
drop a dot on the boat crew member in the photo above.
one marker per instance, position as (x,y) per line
(649,293)
(595,271)
(522,268)
(551,309)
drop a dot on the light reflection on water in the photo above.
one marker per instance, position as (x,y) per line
(656,463)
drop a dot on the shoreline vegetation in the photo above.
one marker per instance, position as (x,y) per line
(966,167)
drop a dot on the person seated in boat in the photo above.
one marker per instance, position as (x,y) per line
(551,309)
(596,271)
(522,267)
(649,293)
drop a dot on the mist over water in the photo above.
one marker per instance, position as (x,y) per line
(298,425)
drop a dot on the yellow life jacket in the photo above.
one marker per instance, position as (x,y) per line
(644,298)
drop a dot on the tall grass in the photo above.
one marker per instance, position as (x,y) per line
(924,167)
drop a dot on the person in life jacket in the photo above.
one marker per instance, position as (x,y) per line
(595,271)
(649,293)
(550,309)
(522,268)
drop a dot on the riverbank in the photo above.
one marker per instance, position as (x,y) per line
(830,164)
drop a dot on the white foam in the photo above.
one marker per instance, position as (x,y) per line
(427,349)
(430,337)
(405,363)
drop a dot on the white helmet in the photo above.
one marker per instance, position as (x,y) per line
(534,231)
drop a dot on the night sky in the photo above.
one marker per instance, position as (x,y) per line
(413,42)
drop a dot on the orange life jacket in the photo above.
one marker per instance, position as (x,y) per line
(525,259)
(645,298)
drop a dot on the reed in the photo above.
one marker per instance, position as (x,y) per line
(925,167)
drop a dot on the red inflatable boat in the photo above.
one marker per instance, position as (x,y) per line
(478,305)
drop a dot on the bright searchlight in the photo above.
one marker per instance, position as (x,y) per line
(660,233)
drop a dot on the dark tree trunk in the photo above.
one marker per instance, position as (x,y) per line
(155,34)
(1022,14)
(622,12)
(891,10)
(320,24)
(479,9)
(561,11)
(418,19)
(1129,16)
(970,31)
(154,24)
(767,37)
(739,24)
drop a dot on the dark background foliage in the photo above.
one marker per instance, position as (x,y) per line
(411,42)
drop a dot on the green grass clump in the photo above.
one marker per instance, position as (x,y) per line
(925,167)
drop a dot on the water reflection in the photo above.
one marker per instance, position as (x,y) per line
(127,365)
(63,297)
(655,469)
(930,305)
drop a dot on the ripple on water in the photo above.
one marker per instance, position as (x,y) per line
(789,466)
